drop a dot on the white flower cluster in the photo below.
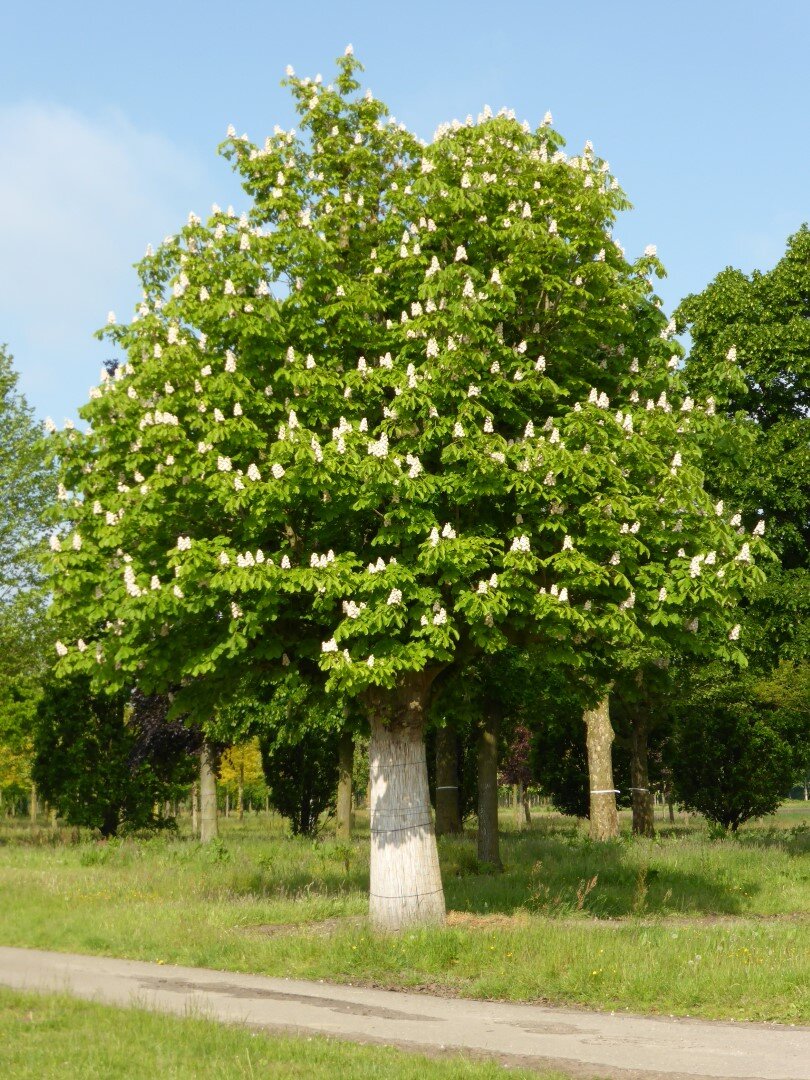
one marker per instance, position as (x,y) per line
(440,618)
(129,581)
(277,470)
(183,543)
(379,448)
(734,633)
(394,597)
(320,562)
(759,528)
(520,543)
(415,465)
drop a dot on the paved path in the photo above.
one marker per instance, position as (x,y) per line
(583,1044)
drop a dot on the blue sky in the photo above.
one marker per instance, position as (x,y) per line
(110,114)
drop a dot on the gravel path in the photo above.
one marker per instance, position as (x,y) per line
(583,1044)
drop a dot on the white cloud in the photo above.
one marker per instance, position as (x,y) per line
(79,199)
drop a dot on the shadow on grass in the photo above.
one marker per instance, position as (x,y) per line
(562,873)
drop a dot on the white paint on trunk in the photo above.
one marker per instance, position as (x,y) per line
(406,885)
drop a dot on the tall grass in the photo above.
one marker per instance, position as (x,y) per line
(680,924)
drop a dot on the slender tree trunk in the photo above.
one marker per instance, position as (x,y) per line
(406,885)
(643,814)
(488,847)
(448,812)
(195,810)
(34,808)
(227,803)
(671,806)
(240,793)
(526,811)
(599,736)
(343,824)
(208,796)
(517,805)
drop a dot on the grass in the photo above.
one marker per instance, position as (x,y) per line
(44,1038)
(683,924)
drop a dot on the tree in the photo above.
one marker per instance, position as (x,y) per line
(241,769)
(107,761)
(370,425)
(26,488)
(759,324)
(735,750)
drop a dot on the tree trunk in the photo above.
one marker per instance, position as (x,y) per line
(195,810)
(643,814)
(208,796)
(448,813)
(517,805)
(34,809)
(343,825)
(488,849)
(671,806)
(406,885)
(227,803)
(599,736)
(240,793)
(526,811)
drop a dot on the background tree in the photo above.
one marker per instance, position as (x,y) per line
(27,486)
(107,761)
(241,770)
(734,752)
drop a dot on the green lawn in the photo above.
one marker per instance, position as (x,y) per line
(45,1038)
(683,924)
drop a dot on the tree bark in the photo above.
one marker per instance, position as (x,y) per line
(643,814)
(599,737)
(448,813)
(195,810)
(240,793)
(343,824)
(208,795)
(517,805)
(34,809)
(406,885)
(488,846)
(526,810)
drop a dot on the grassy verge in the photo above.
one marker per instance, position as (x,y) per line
(683,924)
(44,1038)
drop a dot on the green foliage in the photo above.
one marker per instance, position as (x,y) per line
(96,766)
(736,745)
(25,491)
(300,733)
(302,779)
(414,404)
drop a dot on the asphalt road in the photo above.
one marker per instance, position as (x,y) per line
(583,1044)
